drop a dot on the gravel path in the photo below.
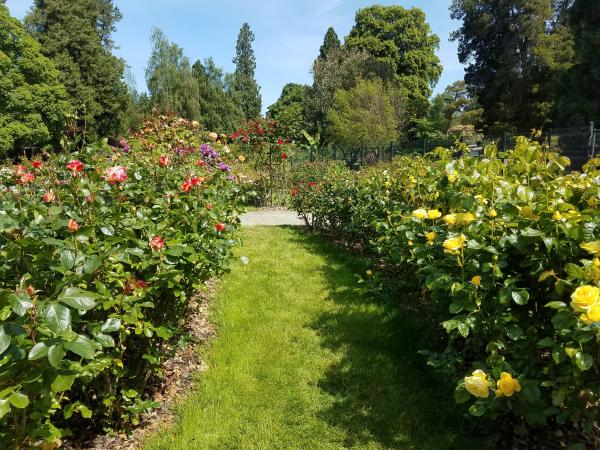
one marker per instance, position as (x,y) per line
(270,217)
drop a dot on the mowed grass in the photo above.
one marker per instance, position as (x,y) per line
(305,360)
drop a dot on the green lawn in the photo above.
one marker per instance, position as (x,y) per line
(304,360)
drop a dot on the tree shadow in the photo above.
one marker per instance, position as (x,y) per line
(384,394)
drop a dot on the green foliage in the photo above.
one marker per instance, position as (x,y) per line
(76,36)
(171,84)
(578,94)
(404,47)
(288,110)
(98,265)
(330,42)
(33,102)
(454,106)
(366,115)
(503,251)
(244,84)
(219,110)
(515,54)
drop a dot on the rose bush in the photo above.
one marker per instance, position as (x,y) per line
(100,253)
(505,252)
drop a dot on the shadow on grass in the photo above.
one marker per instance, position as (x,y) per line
(385,395)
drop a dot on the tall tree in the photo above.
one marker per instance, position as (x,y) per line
(514,54)
(453,106)
(579,90)
(77,37)
(366,114)
(33,102)
(288,110)
(330,42)
(404,47)
(171,84)
(219,110)
(244,82)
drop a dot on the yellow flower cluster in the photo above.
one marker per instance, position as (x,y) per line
(459,219)
(426,214)
(454,245)
(586,300)
(430,237)
(479,386)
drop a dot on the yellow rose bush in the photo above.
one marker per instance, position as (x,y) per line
(503,249)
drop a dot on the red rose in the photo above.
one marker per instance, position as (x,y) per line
(37,164)
(75,166)
(164,161)
(72,225)
(220,227)
(49,197)
(209,206)
(200,163)
(279,141)
(20,170)
(284,156)
(294,192)
(26,178)
(157,243)
(187,186)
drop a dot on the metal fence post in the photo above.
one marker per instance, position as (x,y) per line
(592,141)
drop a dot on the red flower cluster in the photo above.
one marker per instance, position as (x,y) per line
(133,284)
(192,183)
(312,184)
(37,164)
(26,178)
(220,227)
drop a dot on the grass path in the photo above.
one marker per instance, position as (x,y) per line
(304,360)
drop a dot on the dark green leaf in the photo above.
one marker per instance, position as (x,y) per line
(4,340)
(78,298)
(58,317)
(81,346)
(55,354)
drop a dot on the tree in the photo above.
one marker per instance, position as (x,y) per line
(76,36)
(288,110)
(171,84)
(579,90)
(339,70)
(514,50)
(402,44)
(244,83)
(219,110)
(33,102)
(330,42)
(452,107)
(367,114)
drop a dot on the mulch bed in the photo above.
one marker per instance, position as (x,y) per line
(179,374)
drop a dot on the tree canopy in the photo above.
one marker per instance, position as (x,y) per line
(288,110)
(244,82)
(330,42)
(33,102)
(404,47)
(171,83)
(77,37)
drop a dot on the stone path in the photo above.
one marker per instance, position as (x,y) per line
(270,217)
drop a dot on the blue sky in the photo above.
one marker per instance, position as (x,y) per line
(288,33)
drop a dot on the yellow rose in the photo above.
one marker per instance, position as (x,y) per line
(596,262)
(241,158)
(410,243)
(464,218)
(450,219)
(452,177)
(369,273)
(507,385)
(433,214)
(557,216)
(454,245)
(476,280)
(412,179)
(591,247)
(213,136)
(431,236)
(419,213)
(592,315)
(584,297)
(492,212)
(477,384)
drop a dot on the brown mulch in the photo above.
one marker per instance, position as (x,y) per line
(179,373)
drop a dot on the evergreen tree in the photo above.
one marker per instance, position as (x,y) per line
(514,54)
(579,90)
(33,102)
(76,36)
(330,42)
(244,83)
(219,110)
(171,84)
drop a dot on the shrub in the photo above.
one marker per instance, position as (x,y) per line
(505,251)
(101,251)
